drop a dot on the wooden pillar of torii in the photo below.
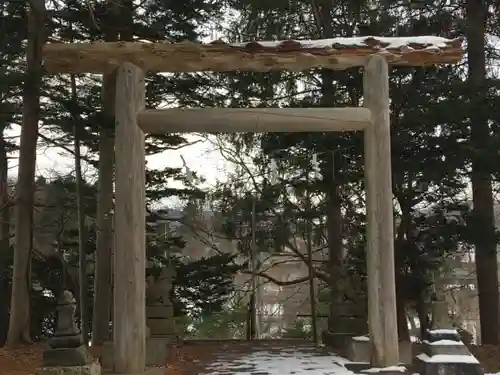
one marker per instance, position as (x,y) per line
(382,314)
(129,318)
(129,304)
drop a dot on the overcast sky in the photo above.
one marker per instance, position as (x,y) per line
(200,157)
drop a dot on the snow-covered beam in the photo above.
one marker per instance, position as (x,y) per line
(258,56)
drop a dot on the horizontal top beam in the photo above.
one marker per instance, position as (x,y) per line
(218,56)
(256,120)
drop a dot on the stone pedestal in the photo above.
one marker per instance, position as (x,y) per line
(160,321)
(444,354)
(67,355)
(93,368)
(359,350)
(347,320)
(159,307)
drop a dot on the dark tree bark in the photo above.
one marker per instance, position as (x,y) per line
(19,323)
(101,315)
(82,230)
(484,241)
(4,198)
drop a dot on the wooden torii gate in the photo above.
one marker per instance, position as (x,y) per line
(133,59)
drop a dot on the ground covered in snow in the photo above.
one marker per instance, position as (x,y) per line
(269,357)
(276,359)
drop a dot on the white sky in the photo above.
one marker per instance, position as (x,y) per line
(201,157)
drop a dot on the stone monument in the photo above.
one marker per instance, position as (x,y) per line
(439,306)
(159,307)
(445,354)
(160,316)
(160,324)
(67,354)
(348,315)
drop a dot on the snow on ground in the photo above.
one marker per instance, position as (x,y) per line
(286,361)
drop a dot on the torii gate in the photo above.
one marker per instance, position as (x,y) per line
(133,59)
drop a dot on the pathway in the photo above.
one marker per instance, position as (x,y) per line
(270,357)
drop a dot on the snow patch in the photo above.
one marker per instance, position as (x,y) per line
(388,369)
(443,342)
(444,331)
(432,44)
(448,358)
(361,338)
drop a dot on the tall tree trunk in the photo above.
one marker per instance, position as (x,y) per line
(334,235)
(312,286)
(403,330)
(4,239)
(404,235)
(103,270)
(101,315)
(82,233)
(19,324)
(485,241)
(323,18)
(4,198)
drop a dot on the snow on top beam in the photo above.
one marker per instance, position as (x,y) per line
(218,56)
(257,120)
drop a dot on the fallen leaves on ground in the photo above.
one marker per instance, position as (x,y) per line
(488,356)
(21,360)
(192,358)
(188,359)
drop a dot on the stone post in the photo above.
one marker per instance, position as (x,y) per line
(440,312)
(439,305)
(159,309)
(67,354)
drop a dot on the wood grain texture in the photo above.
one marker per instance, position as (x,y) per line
(372,243)
(234,120)
(129,310)
(262,56)
(383,323)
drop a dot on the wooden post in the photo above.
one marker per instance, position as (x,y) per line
(129,310)
(372,241)
(380,221)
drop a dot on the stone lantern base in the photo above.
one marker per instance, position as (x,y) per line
(69,361)
(93,368)
(445,354)
(161,321)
